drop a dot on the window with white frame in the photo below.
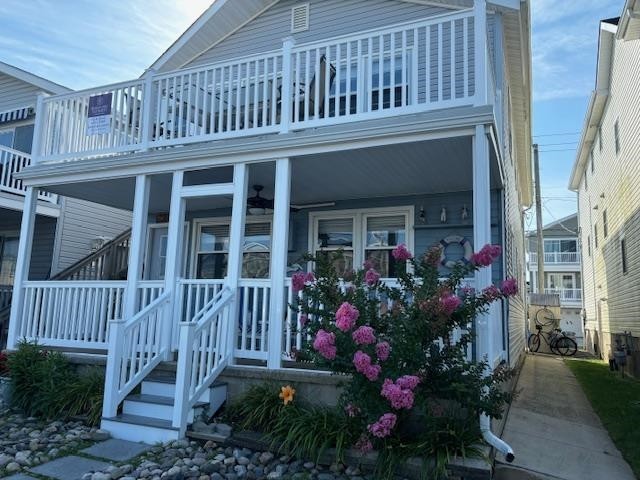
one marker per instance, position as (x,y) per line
(362,235)
(212,250)
(6,138)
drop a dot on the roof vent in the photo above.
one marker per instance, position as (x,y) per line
(300,18)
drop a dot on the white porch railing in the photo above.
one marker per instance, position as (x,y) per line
(556,257)
(11,162)
(566,294)
(70,314)
(202,353)
(136,347)
(149,291)
(407,68)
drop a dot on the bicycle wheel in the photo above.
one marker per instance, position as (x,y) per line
(566,346)
(545,317)
(534,342)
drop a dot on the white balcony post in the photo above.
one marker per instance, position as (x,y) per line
(183,379)
(236,242)
(23,263)
(111,380)
(146,126)
(174,257)
(482,235)
(279,249)
(480,49)
(287,84)
(38,129)
(137,245)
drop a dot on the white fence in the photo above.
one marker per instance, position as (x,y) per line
(413,67)
(566,294)
(556,257)
(12,162)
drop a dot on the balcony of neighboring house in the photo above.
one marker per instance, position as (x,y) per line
(559,253)
(566,285)
(409,68)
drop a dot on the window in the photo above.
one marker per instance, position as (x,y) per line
(616,136)
(8,258)
(212,250)
(591,160)
(6,138)
(364,235)
(605,226)
(623,255)
(600,139)
(557,281)
(560,245)
(595,235)
(300,18)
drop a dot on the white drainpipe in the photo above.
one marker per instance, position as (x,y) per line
(493,440)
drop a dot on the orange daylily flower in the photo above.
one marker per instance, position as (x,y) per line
(287,394)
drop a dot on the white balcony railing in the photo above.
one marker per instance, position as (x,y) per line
(566,294)
(408,68)
(11,162)
(556,257)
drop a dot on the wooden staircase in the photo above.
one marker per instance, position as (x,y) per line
(147,416)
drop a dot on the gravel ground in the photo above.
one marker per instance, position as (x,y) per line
(182,459)
(26,442)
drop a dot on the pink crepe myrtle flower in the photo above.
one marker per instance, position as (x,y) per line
(486,256)
(408,381)
(467,291)
(491,293)
(325,344)
(398,397)
(346,316)
(371,277)
(364,335)
(363,444)
(509,287)
(304,319)
(372,372)
(401,253)
(383,349)
(382,428)
(449,303)
(368,265)
(363,365)
(297,281)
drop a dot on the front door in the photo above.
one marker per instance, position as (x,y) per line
(157,252)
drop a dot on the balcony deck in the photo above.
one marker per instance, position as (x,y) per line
(11,163)
(556,258)
(405,69)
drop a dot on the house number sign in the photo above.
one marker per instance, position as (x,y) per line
(99,114)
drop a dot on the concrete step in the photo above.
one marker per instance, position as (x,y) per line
(139,428)
(157,406)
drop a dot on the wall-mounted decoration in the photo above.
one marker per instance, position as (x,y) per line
(423,215)
(448,262)
(443,215)
(464,215)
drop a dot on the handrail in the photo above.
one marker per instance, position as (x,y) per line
(102,251)
(202,354)
(136,347)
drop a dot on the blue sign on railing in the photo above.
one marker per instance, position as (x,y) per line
(99,114)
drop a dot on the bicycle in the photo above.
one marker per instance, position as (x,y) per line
(557,340)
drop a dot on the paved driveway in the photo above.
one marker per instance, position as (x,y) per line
(554,431)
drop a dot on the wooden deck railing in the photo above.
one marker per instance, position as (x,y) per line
(407,68)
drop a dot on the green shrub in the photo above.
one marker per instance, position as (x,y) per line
(45,385)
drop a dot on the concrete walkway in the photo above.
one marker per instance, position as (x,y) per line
(554,431)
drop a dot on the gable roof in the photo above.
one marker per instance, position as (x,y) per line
(43,83)
(570,220)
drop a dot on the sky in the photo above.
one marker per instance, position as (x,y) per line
(86,43)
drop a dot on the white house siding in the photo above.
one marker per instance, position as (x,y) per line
(15,93)
(614,186)
(80,223)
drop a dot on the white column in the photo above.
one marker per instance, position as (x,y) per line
(482,231)
(137,246)
(286,110)
(279,248)
(23,263)
(38,128)
(175,254)
(480,49)
(236,242)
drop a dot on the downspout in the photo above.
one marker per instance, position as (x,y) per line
(493,440)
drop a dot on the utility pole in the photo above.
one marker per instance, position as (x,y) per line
(536,173)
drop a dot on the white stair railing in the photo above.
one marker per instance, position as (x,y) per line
(202,354)
(136,347)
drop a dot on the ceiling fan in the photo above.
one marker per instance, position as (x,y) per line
(258,205)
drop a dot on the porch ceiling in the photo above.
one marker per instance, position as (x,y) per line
(434,166)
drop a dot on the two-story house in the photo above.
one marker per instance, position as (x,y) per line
(272,128)
(562,270)
(606,177)
(65,229)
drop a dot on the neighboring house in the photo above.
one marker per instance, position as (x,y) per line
(606,176)
(65,229)
(373,123)
(562,271)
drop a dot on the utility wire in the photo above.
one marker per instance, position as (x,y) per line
(557,134)
(558,150)
(559,223)
(555,144)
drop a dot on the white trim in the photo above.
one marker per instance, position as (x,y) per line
(32,79)
(209,190)
(15,202)
(359,216)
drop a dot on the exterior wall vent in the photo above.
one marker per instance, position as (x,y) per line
(300,18)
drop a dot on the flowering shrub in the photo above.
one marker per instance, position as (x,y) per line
(397,345)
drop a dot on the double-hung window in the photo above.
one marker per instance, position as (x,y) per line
(362,235)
